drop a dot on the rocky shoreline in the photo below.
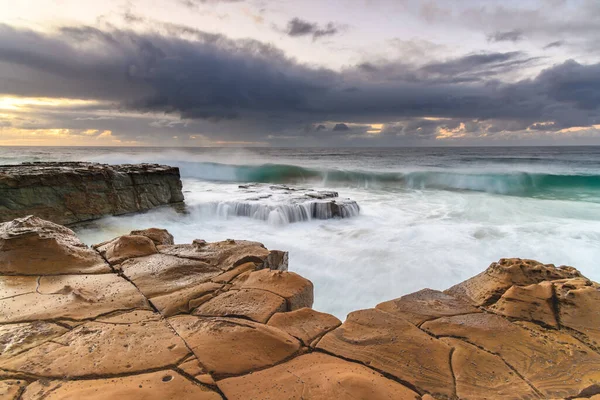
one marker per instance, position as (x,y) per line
(140,317)
(71,192)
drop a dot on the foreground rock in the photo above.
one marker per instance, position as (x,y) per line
(211,320)
(69,192)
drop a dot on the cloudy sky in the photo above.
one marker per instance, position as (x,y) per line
(299,73)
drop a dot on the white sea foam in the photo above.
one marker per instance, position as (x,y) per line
(401,242)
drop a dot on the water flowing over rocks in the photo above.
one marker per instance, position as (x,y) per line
(70,192)
(139,317)
(280,204)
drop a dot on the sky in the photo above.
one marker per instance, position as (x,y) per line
(299,73)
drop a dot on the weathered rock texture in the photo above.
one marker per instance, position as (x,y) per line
(69,192)
(138,317)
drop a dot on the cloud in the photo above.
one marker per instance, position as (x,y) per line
(507,36)
(195,3)
(551,45)
(341,128)
(298,27)
(255,90)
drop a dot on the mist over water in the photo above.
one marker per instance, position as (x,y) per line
(428,217)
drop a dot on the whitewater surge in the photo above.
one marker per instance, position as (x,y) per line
(280,205)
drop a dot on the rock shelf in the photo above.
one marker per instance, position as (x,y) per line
(139,317)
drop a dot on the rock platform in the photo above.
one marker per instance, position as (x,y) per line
(71,192)
(139,317)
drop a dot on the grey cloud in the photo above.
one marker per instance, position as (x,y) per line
(195,3)
(341,128)
(298,27)
(507,36)
(255,90)
(551,45)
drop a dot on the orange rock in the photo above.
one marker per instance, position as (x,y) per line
(297,290)
(125,247)
(71,296)
(305,324)
(158,236)
(15,338)
(226,255)
(395,346)
(426,304)
(258,305)
(315,376)
(228,276)
(161,385)
(480,375)
(232,346)
(554,362)
(579,307)
(123,346)
(10,389)
(531,303)
(486,288)
(32,246)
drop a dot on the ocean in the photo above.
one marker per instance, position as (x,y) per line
(429,217)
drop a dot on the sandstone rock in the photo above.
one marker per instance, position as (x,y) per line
(297,290)
(10,389)
(317,377)
(160,274)
(102,348)
(230,275)
(185,300)
(226,254)
(425,305)
(158,236)
(71,296)
(532,303)
(258,305)
(579,307)
(232,346)
(486,288)
(161,385)
(16,338)
(30,246)
(192,367)
(305,324)
(13,286)
(125,247)
(276,260)
(395,346)
(481,375)
(69,192)
(554,362)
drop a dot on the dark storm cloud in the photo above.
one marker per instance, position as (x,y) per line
(508,36)
(260,91)
(341,128)
(299,27)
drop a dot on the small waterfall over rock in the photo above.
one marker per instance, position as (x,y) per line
(279,205)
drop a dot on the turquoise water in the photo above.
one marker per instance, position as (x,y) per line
(430,217)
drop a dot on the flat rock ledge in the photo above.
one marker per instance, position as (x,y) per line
(139,317)
(71,192)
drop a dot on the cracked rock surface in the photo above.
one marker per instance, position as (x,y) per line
(139,317)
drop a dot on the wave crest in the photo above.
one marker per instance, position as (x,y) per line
(511,183)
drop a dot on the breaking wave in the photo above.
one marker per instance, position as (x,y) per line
(510,183)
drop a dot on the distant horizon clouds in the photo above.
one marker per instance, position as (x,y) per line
(283,73)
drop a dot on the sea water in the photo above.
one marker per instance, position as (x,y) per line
(429,217)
